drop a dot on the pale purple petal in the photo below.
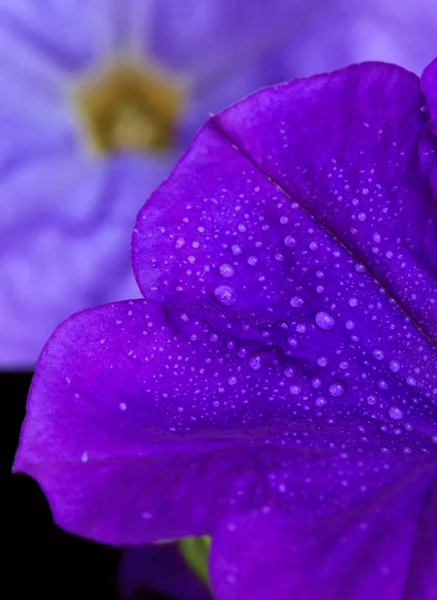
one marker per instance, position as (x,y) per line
(73,247)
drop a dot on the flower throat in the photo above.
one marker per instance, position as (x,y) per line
(129,107)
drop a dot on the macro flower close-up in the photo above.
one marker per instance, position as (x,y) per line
(275,388)
(98,102)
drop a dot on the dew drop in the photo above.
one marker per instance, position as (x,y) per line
(290,241)
(252,261)
(293,343)
(378,354)
(297,302)
(225,295)
(336,389)
(226,270)
(394,366)
(294,390)
(325,321)
(255,362)
(395,413)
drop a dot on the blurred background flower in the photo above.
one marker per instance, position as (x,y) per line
(99,98)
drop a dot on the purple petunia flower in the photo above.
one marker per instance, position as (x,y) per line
(276,388)
(97,102)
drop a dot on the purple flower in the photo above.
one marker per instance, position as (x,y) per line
(276,388)
(80,157)
(159,568)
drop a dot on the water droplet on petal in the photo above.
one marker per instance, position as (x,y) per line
(378,354)
(336,389)
(322,361)
(297,302)
(395,413)
(293,343)
(252,261)
(225,295)
(294,390)
(290,241)
(325,321)
(255,362)
(226,270)
(394,366)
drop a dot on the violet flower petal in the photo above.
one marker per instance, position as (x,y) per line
(277,388)
(429,86)
(390,554)
(159,568)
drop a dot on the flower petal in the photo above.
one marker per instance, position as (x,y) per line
(283,362)
(75,239)
(159,568)
(348,552)
(220,238)
(344,146)
(429,86)
(104,436)
(56,38)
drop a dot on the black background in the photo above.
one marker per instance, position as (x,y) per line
(42,561)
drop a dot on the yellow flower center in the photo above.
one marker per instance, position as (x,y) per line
(129,107)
